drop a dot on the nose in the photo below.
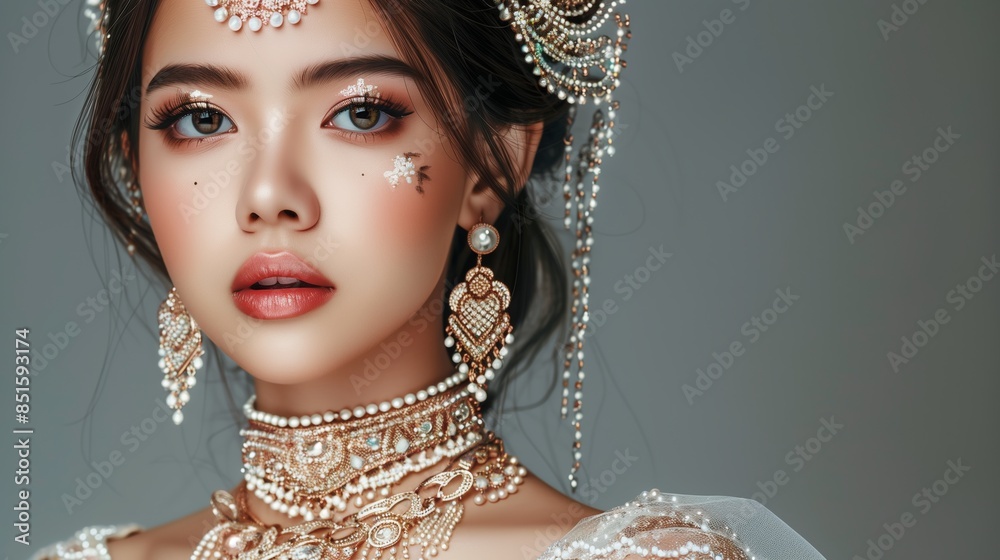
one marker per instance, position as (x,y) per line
(275,194)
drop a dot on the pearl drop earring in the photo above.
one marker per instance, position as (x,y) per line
(180,352)
(478,326)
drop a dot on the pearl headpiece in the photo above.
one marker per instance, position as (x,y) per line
(258,13)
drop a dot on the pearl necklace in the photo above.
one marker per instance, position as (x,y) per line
(330,416)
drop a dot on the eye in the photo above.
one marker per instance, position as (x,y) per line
(366,116)
(190,122)
(202,123)
(363,116)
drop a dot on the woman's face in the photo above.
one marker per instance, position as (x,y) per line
(257,162)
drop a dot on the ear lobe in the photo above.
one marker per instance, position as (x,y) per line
(481,203)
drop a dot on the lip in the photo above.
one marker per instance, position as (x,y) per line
(277,302)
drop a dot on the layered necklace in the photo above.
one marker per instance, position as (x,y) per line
(316,466)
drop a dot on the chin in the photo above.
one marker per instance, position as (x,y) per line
(282,365)
(283,352)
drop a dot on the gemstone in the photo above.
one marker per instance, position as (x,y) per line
(425,428)
(314,449)
(372,442)
(496,479)
(307,552)
(462,412)
(481,482)
(357,462)
(402,445)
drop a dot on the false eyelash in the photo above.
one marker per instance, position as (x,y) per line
(163,118)
(393,108)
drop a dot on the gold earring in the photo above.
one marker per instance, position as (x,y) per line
(180,352)
(479,326)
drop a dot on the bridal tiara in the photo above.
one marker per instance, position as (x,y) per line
(573,60)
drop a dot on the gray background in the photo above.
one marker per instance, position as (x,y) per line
(824,357)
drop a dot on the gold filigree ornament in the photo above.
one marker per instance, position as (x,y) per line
(316,471)
(479,326)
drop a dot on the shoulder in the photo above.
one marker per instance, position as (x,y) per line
(169,541)
(658,525)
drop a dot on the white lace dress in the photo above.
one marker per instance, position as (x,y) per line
(654,525)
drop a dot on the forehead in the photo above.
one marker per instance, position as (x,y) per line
(185,31)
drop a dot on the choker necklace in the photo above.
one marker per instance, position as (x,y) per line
(315,471)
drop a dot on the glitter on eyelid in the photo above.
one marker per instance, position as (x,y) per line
(360,89)
(197,94)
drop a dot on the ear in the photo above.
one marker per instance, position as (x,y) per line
(480,203)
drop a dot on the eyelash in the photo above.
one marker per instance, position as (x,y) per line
(165,118)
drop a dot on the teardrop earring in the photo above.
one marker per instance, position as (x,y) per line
(479,326)
(180,352)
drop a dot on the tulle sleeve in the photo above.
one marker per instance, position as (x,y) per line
(89,543)
(658,525)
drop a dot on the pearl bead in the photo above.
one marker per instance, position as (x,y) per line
(484,239)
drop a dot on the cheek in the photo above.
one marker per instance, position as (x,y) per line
(401,227)
(190,204)
(397,239)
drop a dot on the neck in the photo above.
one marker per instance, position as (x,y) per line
(406,361)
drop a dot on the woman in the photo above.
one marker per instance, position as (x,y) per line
(315,192)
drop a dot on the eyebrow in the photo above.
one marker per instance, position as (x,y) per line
(221,77)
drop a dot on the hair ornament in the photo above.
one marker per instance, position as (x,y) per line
(574,60)
(258,13)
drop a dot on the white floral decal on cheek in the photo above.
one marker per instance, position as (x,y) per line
(404,168)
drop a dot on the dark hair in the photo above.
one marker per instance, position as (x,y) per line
(459,44)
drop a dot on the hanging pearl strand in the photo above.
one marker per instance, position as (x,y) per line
(591,157)
(330,416)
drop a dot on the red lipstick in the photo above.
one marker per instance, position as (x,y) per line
(279,286)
